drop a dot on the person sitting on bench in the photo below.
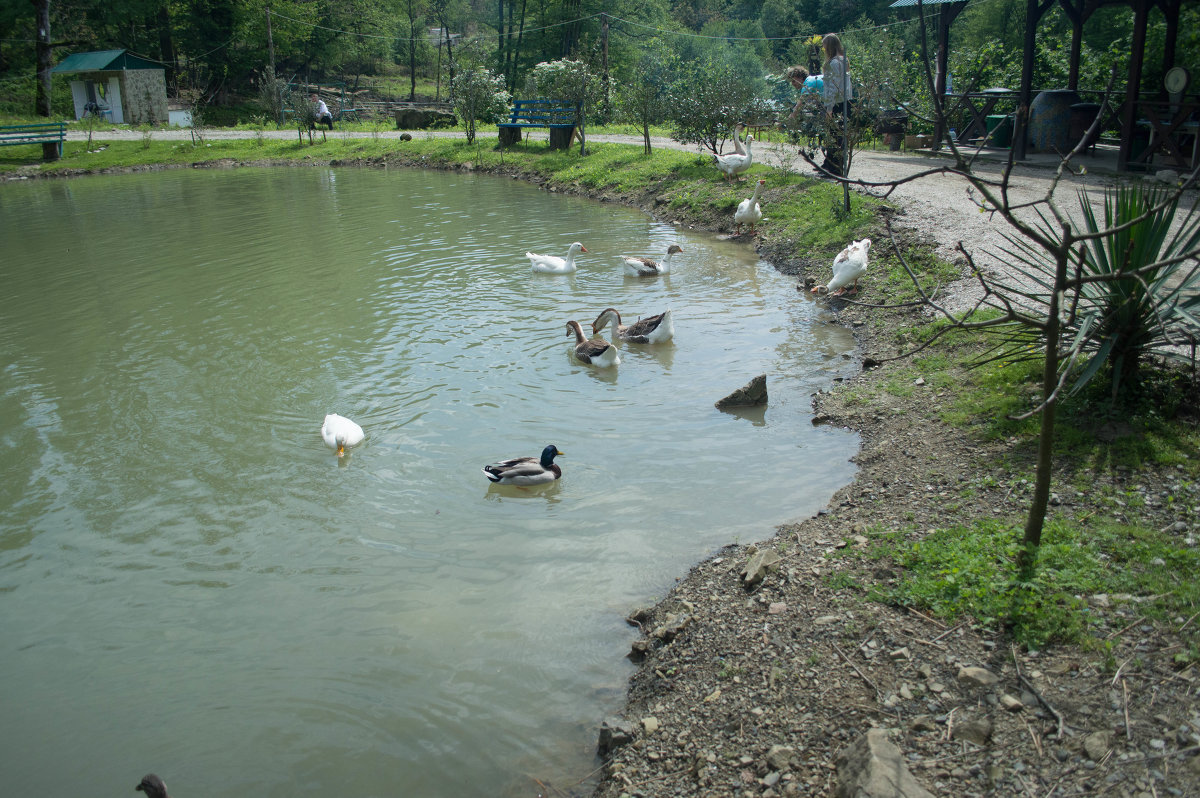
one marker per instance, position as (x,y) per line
(322,112)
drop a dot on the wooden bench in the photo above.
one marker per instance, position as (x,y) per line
(560,117)
(18,135)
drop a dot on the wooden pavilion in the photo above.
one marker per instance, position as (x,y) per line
(1165,120)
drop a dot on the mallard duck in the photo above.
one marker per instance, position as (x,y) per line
(650,330)
(153,786)
(526,471)
(552,264)
(749,211)
(340,433)
(734,163)
(849,265)
(596,351)
(648,267)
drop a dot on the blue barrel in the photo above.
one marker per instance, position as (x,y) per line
(1050,121)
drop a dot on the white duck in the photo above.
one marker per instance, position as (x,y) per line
(340,433)
(648,267)
(734,163)
(849,265)
(526,471)
(595,352)
(650,330)
(552,264)
(749,211)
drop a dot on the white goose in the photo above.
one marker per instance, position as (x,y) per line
(738,146)
(749,211)
(552,264)
(648,267)
(651,330)
(595,352)
(340,433)
(734,163)
(849,265)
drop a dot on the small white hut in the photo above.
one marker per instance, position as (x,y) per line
(119,86)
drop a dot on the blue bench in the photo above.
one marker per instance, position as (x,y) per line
(18,135)
(560,117)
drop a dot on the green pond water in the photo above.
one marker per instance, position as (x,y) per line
(191,583)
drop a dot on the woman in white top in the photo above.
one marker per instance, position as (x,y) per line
(836,94)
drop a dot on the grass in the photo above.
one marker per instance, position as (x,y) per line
(968,571)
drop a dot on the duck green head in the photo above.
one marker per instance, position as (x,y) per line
(548,455)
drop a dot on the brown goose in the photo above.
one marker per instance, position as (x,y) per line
(596,351)
(648,267)
(650,330)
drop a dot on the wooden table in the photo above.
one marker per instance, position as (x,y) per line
(980,105)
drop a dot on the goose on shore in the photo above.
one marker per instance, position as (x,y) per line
(849,265)
(749,211)
(734,163)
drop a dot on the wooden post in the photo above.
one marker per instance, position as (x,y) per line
(1129,112)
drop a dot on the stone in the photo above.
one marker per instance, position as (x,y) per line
(421,119)
(758,565)
(614,733)
(753,393)
(977,677)
(973,731)
(650,724)
(639,650)
(873,767)
(1011,703)
(1096,745)
(671,628)
(780,757)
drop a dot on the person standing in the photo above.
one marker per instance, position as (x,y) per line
(796,75)
(837,92)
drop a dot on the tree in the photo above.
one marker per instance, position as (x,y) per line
(479,95)
(643,99)
(414,10)
(720,88)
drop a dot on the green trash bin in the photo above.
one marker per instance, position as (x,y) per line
(1000,130)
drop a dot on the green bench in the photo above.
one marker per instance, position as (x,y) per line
(19,135)
(559,116)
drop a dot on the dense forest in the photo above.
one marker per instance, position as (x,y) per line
(223,50)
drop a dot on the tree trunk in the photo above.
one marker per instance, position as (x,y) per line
(44,63)
(1036,518)
(166,45)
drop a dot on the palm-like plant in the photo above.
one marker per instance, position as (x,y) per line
(1138,285)
(1135,289)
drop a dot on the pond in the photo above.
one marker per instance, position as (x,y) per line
(191,583)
